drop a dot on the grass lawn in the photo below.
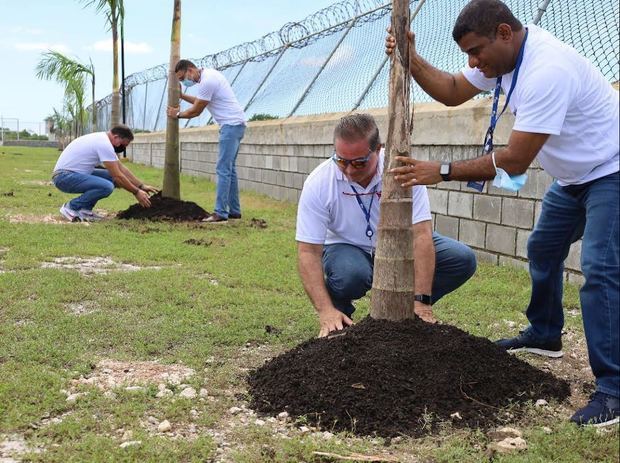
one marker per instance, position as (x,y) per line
(219,305)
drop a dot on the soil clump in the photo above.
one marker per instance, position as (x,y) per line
(162,208)
(387,378)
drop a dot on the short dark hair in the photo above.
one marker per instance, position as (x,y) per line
(183,65)
(482,17)
(354,127)
(122,131)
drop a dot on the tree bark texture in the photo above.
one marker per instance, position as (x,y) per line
(116,97)
(172,183)
(393,286)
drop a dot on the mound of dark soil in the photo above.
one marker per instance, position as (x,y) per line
(165,209)
(399,378)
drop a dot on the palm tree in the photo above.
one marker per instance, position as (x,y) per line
(393,288)
(55,65)
(114,12)
(171,187)
(59,126)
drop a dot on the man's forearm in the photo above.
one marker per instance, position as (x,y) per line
(311,274)
(188,98)
(424,263)
(438,84)
(480,168)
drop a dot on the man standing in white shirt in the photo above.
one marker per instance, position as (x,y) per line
(566,116)
(77,171)
(337,222)
(215,93)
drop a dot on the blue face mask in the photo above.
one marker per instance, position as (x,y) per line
(505,181)
(187,82)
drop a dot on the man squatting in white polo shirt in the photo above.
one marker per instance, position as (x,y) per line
(337,223)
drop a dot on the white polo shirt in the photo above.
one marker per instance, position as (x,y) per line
(328,211)
(223,105)
(561,93)
(83,154)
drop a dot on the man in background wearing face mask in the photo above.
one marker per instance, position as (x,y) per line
(215,93)
(566,116)
(76,171)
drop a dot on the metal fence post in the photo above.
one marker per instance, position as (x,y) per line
(541,10)
(163,94)
(260,86)
(305,94)
(146,94)
(380,68)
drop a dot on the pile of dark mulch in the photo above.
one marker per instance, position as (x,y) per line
(165,209)
(399,378)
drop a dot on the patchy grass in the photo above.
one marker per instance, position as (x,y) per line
(216,299)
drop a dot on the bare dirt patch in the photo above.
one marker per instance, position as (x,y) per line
(109,374)
(93,265)
(12,447)
(82,308)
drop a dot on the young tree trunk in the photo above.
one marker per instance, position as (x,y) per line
(116,98)
(393,280)
(171,187)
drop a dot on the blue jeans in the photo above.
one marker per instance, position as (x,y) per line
(569,213)
(227,190)
(348,270)
(94,187)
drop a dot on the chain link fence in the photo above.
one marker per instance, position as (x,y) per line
(334,61)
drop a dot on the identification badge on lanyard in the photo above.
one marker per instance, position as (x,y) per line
(369,231)
(487,148)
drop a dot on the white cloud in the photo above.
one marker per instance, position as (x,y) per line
(130,47)
(26,30)
(41,46)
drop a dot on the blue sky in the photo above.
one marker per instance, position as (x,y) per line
(29,28)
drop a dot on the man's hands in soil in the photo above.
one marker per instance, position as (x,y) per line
(143,198)
(331,320)
(424,311)
(149,189)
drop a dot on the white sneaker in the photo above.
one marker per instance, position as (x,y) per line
(89,216)
(70,214)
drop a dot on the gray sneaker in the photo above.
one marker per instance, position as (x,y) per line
(89,216)
(70,214)
(526,342)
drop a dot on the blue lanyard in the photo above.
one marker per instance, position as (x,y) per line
(366,212)
(488,138)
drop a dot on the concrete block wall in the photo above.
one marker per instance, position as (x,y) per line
(275,157)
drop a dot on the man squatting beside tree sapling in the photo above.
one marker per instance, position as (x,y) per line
(78,171)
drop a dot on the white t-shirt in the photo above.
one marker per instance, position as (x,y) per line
(223,105)
(329,213)
(561,93)
(83,154)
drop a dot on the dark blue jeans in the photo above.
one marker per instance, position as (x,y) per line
(348,270)
(568,213)
(93,187)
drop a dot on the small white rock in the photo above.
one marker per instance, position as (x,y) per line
(455,415)
(304,429)
(188,393)
(203,392)
(131,443)
(163,393)
(234,410)
(109,395)
(283,415)
(541,403)
(327,435)
(72,398)
(547,430)
(134,388)
(193,413)
(152,420)
(259,423)
(164,426)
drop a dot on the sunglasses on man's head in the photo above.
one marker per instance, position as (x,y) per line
(358,163)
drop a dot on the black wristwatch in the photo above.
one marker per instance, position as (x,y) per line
(444,171)
(423,298)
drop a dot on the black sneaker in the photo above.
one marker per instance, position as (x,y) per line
(526,342)
(602,410)
(234,216)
